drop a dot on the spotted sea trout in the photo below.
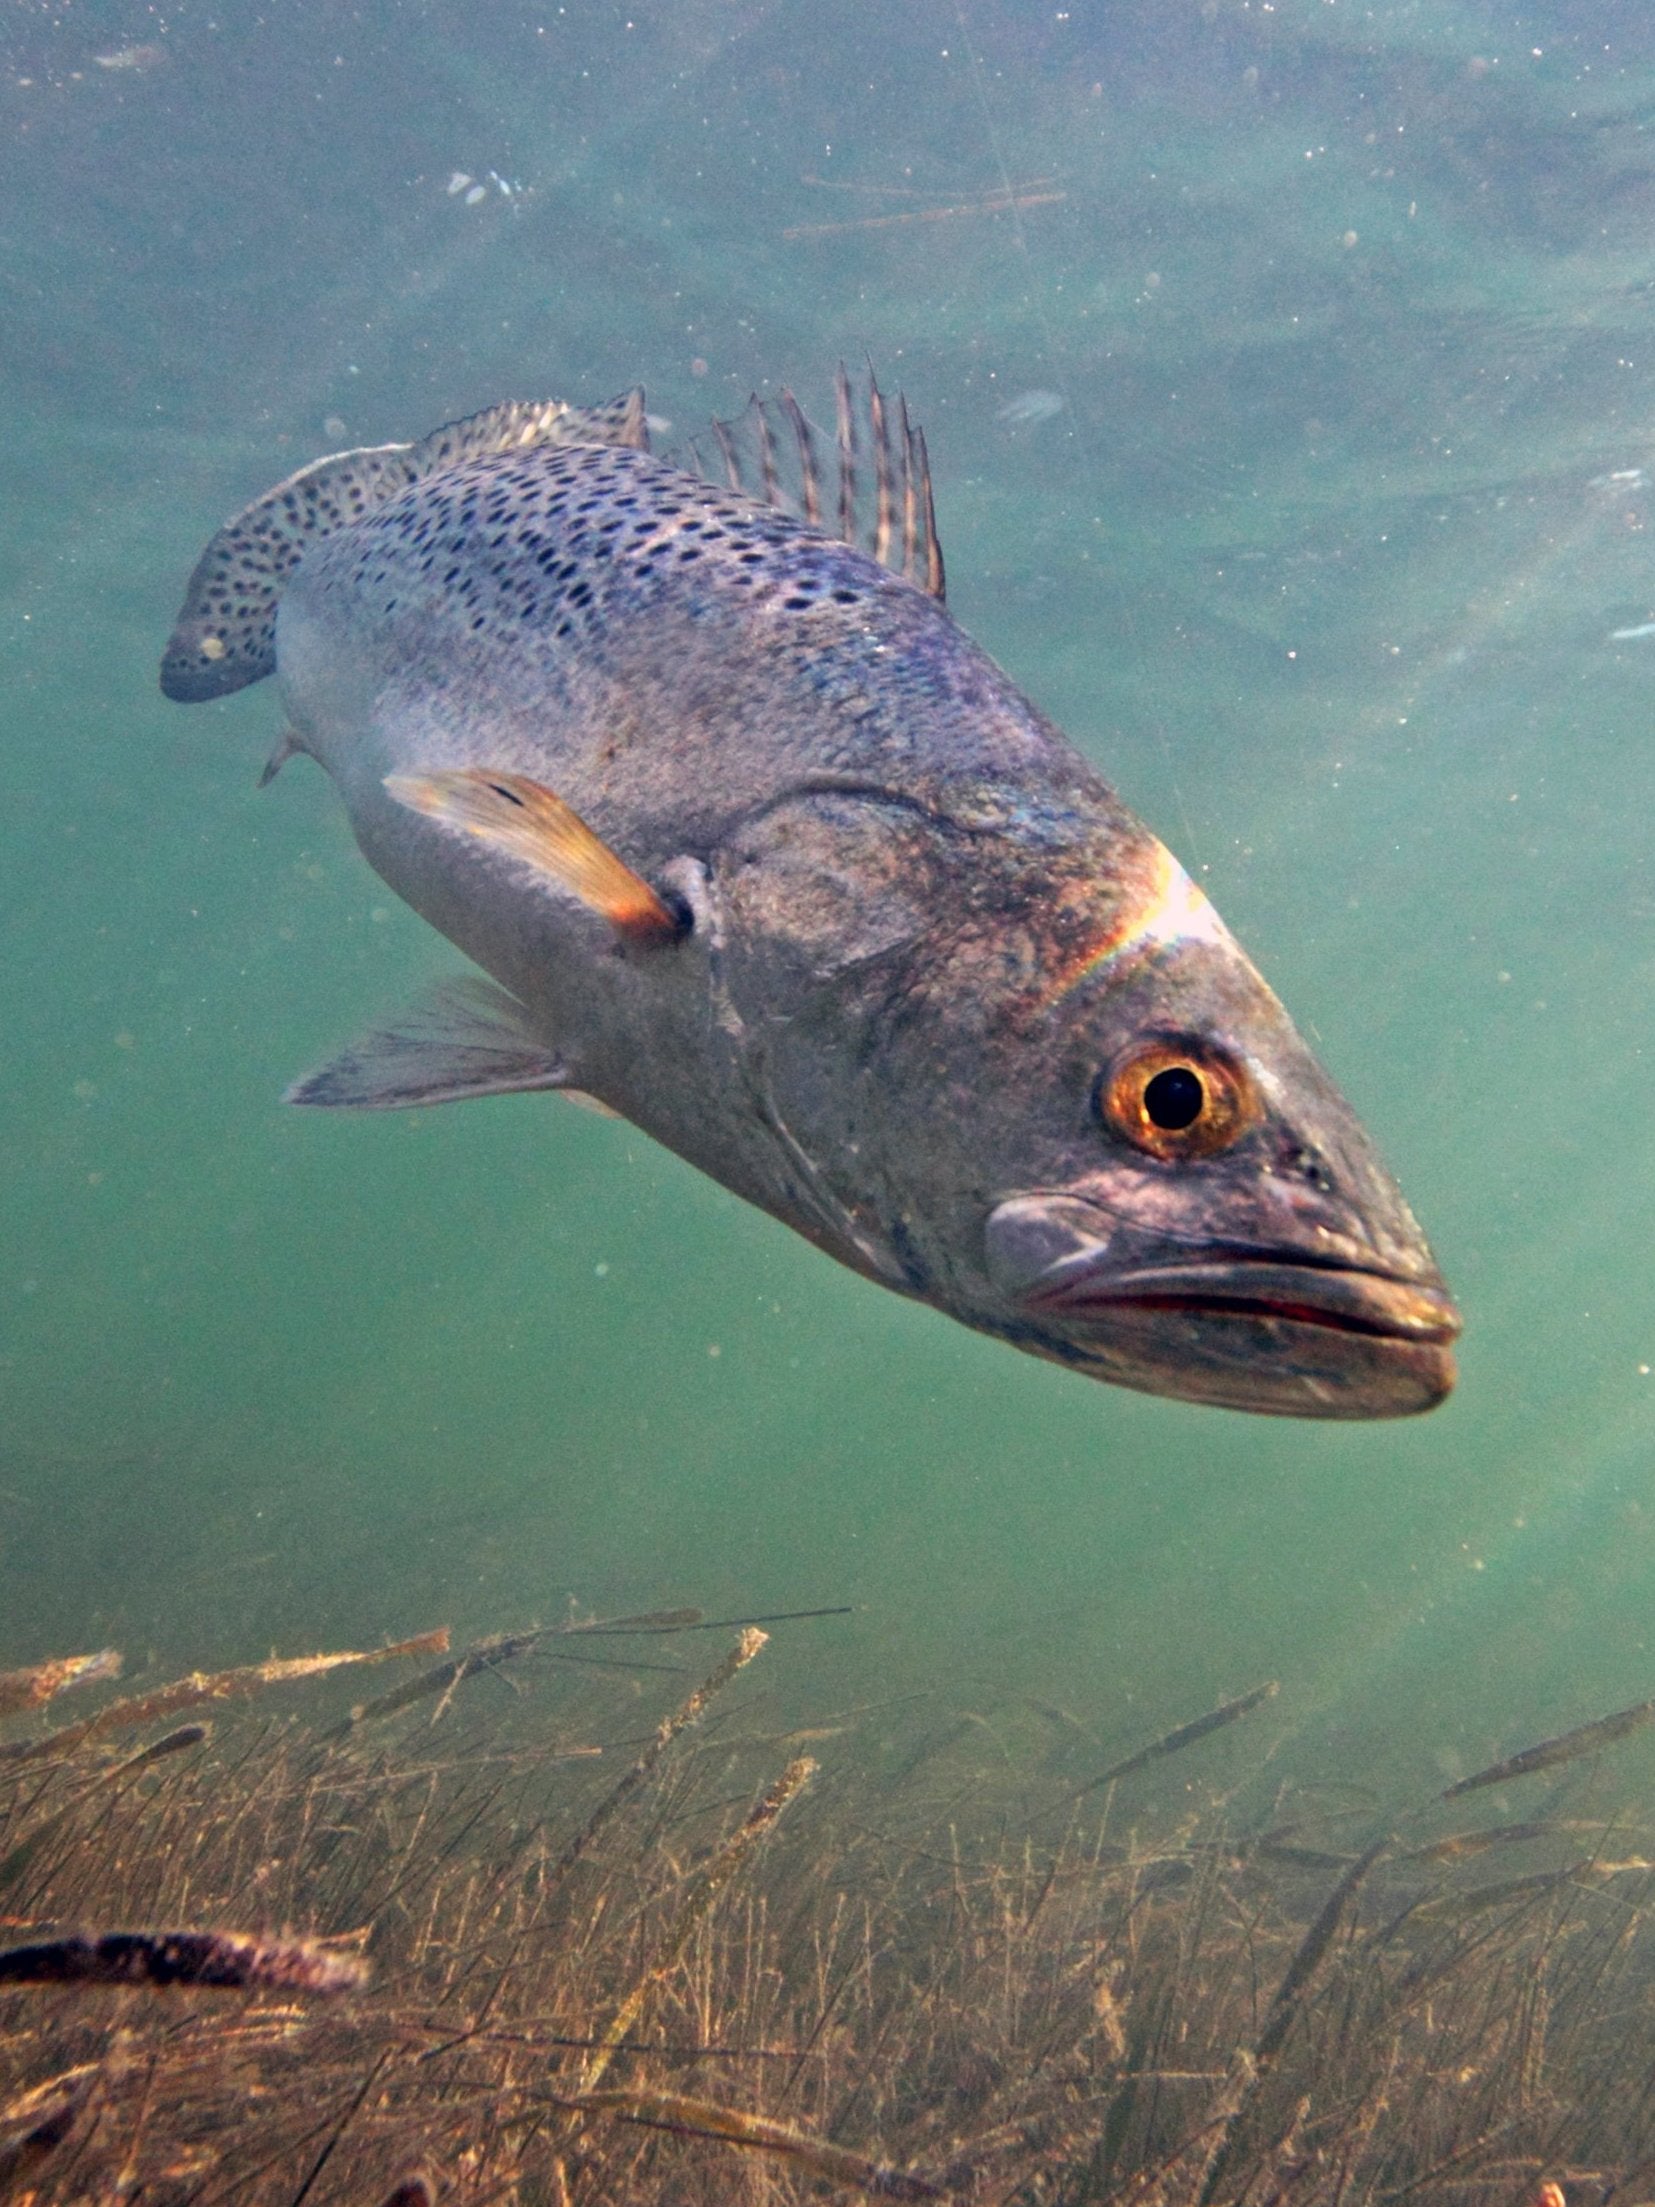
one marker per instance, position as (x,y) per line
(761,852)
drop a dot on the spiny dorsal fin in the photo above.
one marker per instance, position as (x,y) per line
(902,531)
(225,635)
(534,824)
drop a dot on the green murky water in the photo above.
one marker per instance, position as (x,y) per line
(1290,380)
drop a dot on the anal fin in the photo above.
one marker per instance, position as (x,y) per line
(466,1038)
(287,746)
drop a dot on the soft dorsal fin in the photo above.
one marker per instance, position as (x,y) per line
(225,634)
(534,824)
(901,532)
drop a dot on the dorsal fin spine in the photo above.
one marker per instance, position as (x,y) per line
(846,426)
(767,453)
(881,472)
(910,501)
(810,481)
(936,582)
(778,466)
(727,445)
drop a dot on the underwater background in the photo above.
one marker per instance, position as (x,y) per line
(1289,378)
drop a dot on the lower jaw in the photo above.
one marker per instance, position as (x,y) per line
(1269,1361)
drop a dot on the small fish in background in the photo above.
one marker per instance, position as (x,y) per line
(1029,408)
(458,183)
(761,852)
(1633,635)
(133,59)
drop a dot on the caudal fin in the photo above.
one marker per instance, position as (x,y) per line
(225,634)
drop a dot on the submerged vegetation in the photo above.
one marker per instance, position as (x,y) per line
(494,1934)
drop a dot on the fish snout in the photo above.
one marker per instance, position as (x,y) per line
(1304,1327)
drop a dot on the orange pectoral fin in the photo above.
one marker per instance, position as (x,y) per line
(532,823)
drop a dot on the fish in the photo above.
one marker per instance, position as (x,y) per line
(754,847)
(1029,408)
(1183,1735)
(1563,1747)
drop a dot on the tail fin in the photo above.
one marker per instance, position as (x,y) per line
(225,634)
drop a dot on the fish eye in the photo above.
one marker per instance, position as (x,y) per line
(1177,1097)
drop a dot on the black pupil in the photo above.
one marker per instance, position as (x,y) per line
(1173,1100)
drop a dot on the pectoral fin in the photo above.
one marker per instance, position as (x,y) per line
(525,818)
(467,1038)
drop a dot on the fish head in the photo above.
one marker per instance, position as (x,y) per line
(1183,1201)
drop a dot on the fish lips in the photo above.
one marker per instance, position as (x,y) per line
(1329,1334)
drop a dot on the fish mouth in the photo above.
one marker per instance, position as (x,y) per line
(1292,1292)
(1287,1332)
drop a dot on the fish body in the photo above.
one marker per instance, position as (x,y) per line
(768,857)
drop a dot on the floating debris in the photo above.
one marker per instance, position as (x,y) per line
(185,1693)
(999,200)
(31,1688)
(703,1891)
(751,1641)
(220,1959)
(692,2118)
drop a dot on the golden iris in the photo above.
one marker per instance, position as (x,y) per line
(1178,1097)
